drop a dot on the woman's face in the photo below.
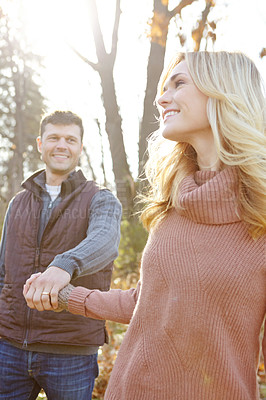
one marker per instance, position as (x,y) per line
(184,108)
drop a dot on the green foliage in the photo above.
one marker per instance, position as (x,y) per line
(133,240)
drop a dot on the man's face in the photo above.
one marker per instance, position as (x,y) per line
(60,146)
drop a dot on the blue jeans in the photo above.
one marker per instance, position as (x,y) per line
(63,377)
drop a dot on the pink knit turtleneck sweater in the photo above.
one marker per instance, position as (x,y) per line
(196,315)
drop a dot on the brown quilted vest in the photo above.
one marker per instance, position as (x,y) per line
(66,228)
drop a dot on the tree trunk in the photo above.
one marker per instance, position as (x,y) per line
(159,31)
(150,117)
(17,161)
(125,185)
(123,178)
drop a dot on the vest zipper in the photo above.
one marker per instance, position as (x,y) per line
(25,342)
(36,265)
(36,269)
(37,259)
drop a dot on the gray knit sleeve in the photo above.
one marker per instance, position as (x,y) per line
(100,247)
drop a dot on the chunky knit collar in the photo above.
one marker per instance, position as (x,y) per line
(210,197)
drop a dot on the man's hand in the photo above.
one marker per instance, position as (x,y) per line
(41,290)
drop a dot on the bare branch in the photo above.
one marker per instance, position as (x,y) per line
(115,29)
(181,5)
(89,162)
(197,33)
(161,18)
(97,33)
(102,153)
(90,63)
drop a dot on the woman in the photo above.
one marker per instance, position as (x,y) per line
(197,312)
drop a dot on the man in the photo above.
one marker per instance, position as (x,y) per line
(66,229)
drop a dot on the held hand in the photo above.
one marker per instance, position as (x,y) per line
(29,281)
(41,290)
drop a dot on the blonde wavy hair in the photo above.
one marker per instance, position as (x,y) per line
(237,115)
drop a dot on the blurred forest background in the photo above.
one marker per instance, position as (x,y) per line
(103,60)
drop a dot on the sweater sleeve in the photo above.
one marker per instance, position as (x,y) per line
(115,305)
(100,247)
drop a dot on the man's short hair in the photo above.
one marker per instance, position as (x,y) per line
(61,118)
